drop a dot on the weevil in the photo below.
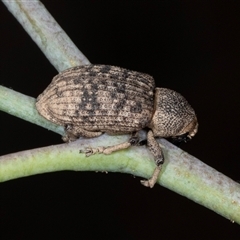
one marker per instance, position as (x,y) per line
(94,99)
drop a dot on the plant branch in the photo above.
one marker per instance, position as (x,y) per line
(22,106)
(46,33)
(181,172)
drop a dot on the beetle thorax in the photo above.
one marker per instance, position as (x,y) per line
(173,115)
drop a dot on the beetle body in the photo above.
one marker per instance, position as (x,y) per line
(99,98)
(93,99)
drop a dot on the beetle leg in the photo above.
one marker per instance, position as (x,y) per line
(133,141)
(156,150)
(73,133)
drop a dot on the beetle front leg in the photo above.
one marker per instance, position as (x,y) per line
(156,150)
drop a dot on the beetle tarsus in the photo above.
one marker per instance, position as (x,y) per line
(151,181)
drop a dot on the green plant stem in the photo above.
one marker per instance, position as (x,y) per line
(181,172)
(46,33)
(22,106)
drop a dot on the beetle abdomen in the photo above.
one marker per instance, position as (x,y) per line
(99,97)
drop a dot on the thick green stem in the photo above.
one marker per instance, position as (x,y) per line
(181,172)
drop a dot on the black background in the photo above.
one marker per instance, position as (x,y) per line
(189,46)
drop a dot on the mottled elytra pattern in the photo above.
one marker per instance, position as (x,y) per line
(93,99)
(99,98)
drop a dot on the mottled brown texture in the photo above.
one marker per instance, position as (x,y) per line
(93,99)
(173,115)
(99,98)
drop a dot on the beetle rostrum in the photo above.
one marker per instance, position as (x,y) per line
(93,99)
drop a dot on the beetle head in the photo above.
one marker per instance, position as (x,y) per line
(173,116)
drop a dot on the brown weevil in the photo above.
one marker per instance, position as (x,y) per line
(92,99)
